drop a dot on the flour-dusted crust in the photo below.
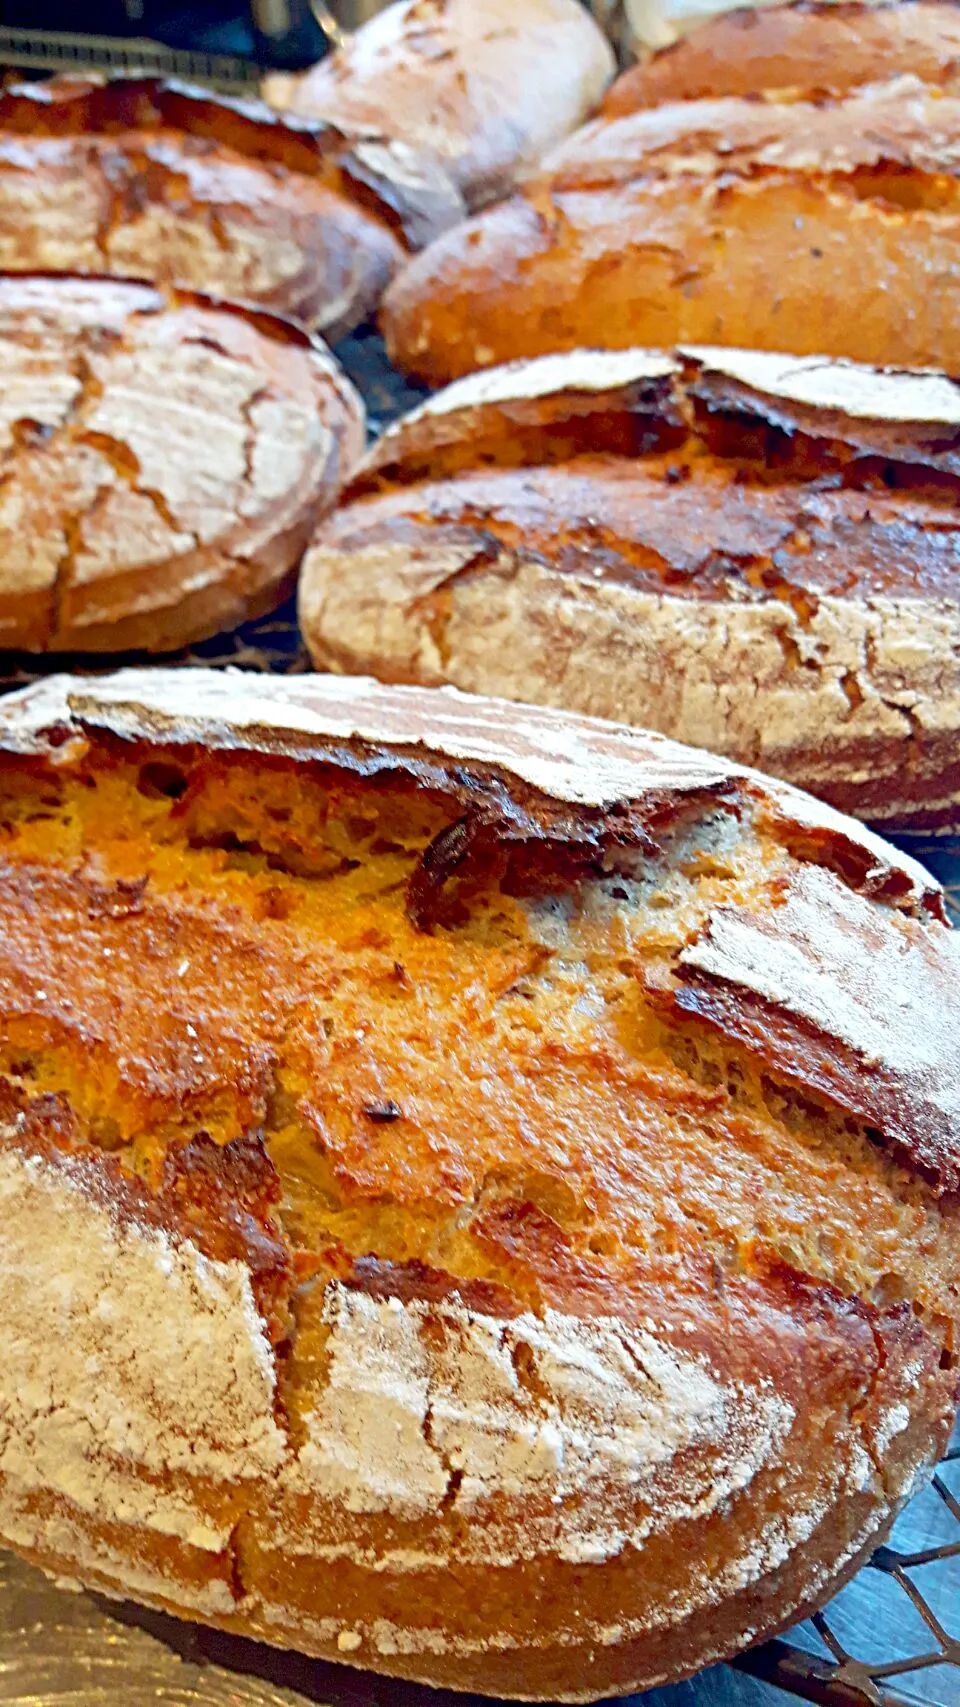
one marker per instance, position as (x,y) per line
(763,559)
(144,179)
(482,89)
(164,459)
(728,221)
(801,48)
(596,1464)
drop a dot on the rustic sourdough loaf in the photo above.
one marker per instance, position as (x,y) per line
(482,86)
(788,225)
(753,552)
(164,462)
(806,47)
(158,180)
(479,1186)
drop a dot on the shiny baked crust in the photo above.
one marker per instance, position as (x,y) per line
(479,1186)
(482,89)
(818,227)
(146,179)
(164,459)
(805,47)
(753,552)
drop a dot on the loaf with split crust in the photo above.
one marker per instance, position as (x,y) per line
(164,462)
(478,1186)
(145,179)
(758,553)
(822,228)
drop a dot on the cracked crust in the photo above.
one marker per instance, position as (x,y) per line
(482,89)
(516,1247)
(757,553)
(729,222)
(162,462)
(803,48)
(144,179)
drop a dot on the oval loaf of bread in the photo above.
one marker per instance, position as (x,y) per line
(787,225)
(753,552)
(153,180)
(479,1186)
(808,47)
(164,461)
(482,86)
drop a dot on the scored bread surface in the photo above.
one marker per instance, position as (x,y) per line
(515,1247)
(145,179)
(164,461)
(728,221)
(751,551)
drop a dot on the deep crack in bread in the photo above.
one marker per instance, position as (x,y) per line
(479,1186)
(164,460)
(754,552)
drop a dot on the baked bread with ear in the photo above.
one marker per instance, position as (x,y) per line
(164,462)
(146,179)
(808,47)
(479,1186)
(481,86)
(753,552)
(784,225)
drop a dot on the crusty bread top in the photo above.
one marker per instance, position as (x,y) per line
(804,46)
(523,1079)
(151,440)
(405,189)
(901,124)
(501,1115)
(483,88)
(905,414)
(527,764)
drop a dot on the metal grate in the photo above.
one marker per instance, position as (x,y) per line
(890,1638)
(49,52)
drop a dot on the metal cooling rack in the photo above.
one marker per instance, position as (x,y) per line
(51,52)
(890,1638)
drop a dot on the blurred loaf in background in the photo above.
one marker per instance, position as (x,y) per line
(829,48)
(483,87)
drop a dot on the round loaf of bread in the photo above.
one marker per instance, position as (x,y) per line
(483,89)
(756,553)
(143,179)
(479,1186)
(810,46)
(817,227)
(164,461)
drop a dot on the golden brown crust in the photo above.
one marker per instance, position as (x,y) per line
(147,179)
(482,89)
(803,47)
(715,222)
(415,1194)
(164,459)
(751,551)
